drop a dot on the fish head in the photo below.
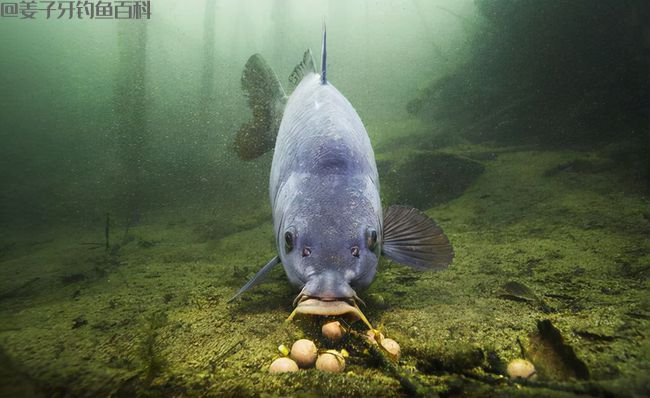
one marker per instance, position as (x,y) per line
(330,241)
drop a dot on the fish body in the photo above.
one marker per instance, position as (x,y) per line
(324,190)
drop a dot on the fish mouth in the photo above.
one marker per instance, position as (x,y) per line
(309,305)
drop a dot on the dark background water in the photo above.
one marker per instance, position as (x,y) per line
(102,116)
(99,115)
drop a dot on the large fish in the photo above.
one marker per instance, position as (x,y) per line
(324,190)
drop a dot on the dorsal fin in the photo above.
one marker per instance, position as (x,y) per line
(323,69)
(305,67)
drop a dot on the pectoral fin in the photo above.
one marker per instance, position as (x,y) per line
(259,277)
(412,238)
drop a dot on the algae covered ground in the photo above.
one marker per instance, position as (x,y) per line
(552,260)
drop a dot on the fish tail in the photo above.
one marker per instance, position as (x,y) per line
(267,99)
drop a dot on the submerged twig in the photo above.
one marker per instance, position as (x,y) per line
(409,382)
(225,354)
(92,244)
(581,388)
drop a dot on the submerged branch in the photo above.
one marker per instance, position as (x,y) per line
(580,388)
(409,382)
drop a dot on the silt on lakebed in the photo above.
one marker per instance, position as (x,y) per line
(324,190)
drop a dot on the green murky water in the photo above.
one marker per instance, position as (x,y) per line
(127,218)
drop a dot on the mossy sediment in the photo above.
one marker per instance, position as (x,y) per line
(158,322)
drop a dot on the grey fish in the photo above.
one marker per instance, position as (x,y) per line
(324,190)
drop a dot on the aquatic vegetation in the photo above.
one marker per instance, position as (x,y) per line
(153,361)
(455,330)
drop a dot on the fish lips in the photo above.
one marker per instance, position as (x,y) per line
(315,306)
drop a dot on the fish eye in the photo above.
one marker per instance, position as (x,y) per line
(355,251)
(288,240)
(371,239)
(306,251)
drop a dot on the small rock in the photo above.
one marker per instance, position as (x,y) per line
(521,369)
(304,352)
(283,365)
(333,331)
(331,361)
